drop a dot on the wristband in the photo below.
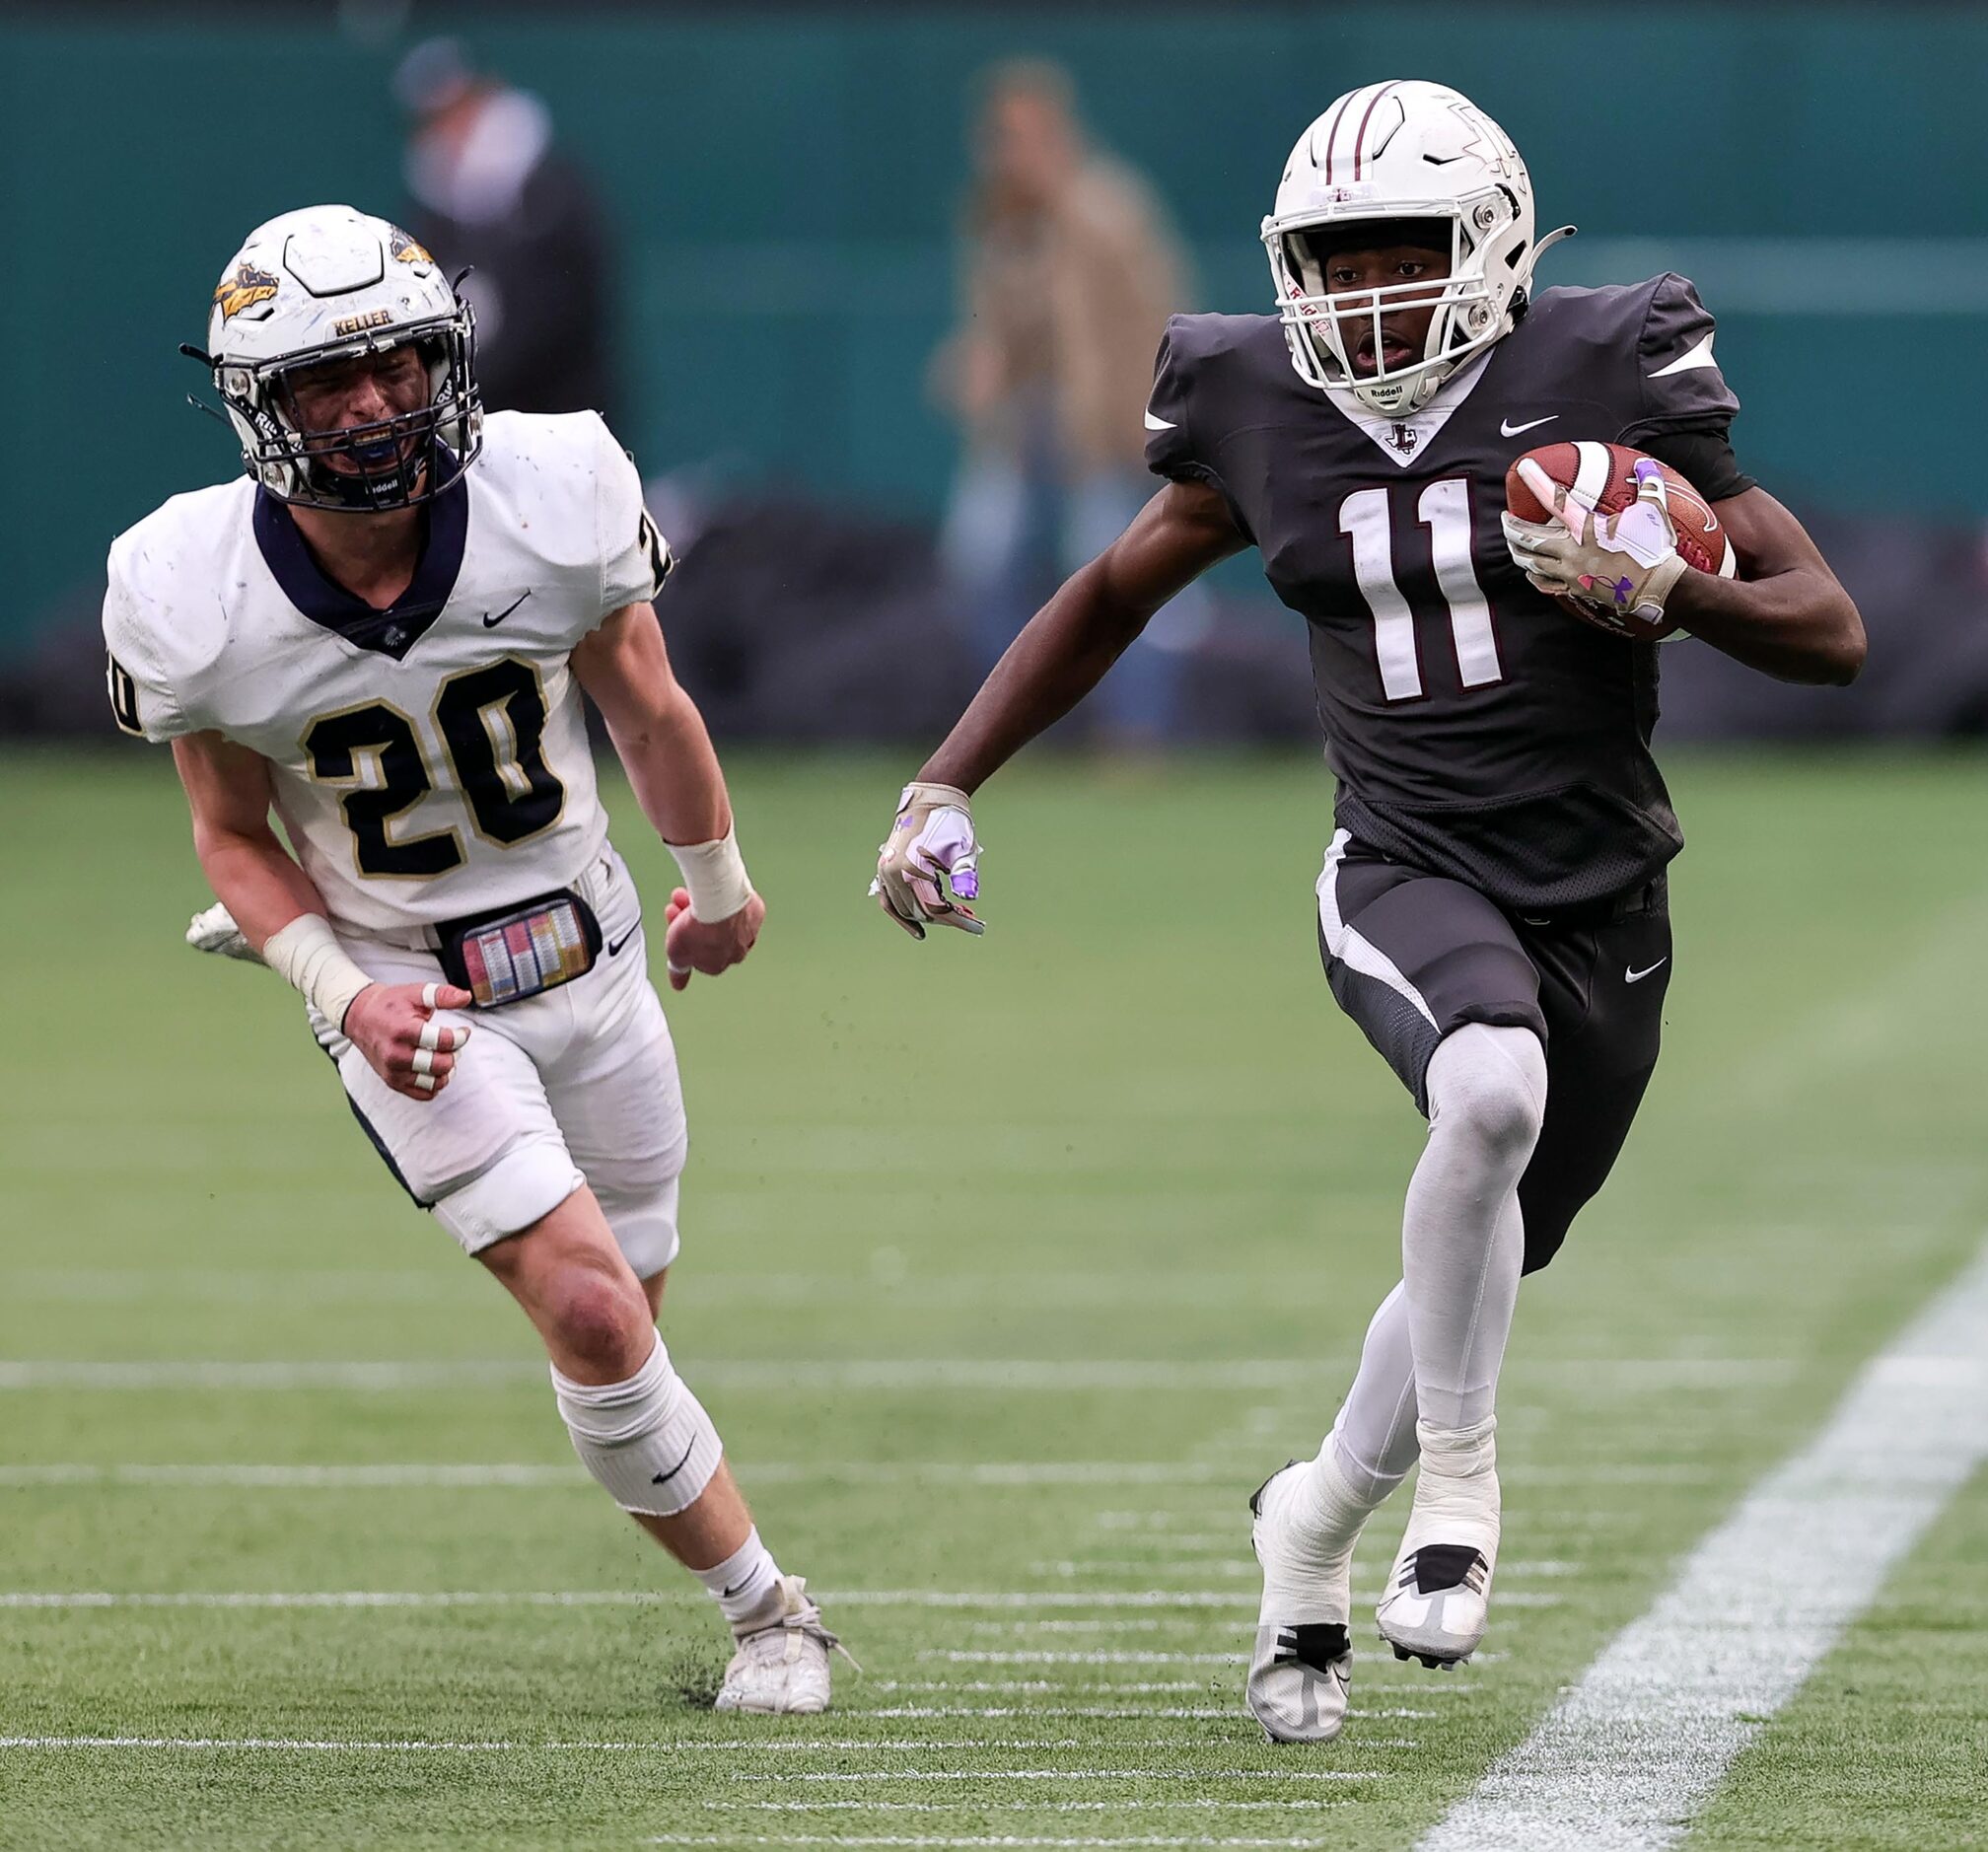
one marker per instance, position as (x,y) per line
(714,876)
(305,954)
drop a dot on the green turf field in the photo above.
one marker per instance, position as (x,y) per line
(1010,1269)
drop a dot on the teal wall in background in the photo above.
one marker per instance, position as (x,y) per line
(785,186)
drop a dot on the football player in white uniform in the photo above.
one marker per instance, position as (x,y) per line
(383,633)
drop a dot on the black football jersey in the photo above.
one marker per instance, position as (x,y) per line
(1475,729)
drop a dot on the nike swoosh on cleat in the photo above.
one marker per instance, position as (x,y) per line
(1158,424)
(491,624)
(1634,978)
(1506,428)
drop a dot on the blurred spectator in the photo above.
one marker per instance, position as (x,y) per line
(492,192)
(1069,270)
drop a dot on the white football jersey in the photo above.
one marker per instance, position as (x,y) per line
(429,760)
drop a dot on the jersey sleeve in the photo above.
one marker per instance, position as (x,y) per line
(636,559)
(1170,443)
(1686,407)
(1177,439)
(143,700)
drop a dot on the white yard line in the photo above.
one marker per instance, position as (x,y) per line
(420,1473)
(1630,1753)
(597,1597)
(959,1657)
(418,1476)
(1228,1712)
(1081,1774)
(1285,1802)
(505,1745)
(956,1840)
(782,1376)
(890,1375)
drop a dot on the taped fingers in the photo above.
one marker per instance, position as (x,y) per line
(446,1037)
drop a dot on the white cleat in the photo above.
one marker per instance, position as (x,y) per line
(1302,1669)
(1436,1604)
(781,1667)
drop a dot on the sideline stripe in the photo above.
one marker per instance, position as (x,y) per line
(1632,1751)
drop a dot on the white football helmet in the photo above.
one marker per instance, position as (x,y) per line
(325,283)
(1402,150)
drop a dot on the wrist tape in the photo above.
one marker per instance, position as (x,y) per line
(306,955)
(714,876)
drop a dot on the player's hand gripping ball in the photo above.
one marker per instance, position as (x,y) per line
(1608,543)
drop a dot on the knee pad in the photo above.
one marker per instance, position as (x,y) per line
(647,1440)
(530,1180)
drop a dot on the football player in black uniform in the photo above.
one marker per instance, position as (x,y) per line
(1492,907)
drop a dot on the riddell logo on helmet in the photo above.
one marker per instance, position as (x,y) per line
(243,288)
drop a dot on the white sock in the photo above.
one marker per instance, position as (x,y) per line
(1372,1442)
(742,1581)
(1462,1238)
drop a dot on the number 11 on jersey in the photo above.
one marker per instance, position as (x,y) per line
(1443,508)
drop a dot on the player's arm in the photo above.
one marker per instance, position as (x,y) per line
(1065,649)
(661,739)
(928,864)
(1786,613)
(281,915)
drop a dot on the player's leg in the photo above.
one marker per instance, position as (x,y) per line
(1410,959)
(1422,966)
(615,1091)
(1603,988)
(1463,1244)
(642,1433)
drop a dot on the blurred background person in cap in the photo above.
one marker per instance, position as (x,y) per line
(492,190)
(1069,269)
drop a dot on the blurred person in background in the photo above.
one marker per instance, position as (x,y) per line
(1067,273)
(492,192)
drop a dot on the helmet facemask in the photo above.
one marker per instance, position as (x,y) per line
(1474,303)
(402,461)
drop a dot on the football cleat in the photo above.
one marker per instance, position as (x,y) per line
(1436,1604)
(781,1667)
(1302,1669)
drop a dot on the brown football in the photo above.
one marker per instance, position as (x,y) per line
(1600,473)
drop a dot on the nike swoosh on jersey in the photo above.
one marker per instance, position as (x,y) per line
(1506,428)
(1158,424)
(1634,978)
(615,945)
(491,624)
(1699,354)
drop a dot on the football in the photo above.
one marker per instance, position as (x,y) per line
(1600,475)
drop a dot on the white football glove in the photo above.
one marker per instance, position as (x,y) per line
(930,863)
(1619,568)
(214,930)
